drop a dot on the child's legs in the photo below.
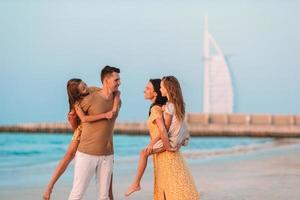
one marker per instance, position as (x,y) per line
(141,166)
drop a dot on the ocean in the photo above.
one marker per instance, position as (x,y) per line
(30,159)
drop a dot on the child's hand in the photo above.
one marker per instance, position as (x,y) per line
(149,148)
(114,112)
(72,112)
(109,115)
(72,118)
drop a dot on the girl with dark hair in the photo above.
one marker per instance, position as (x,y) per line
(77,90)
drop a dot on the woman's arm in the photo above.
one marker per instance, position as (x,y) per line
(91,118)
(167,118)
(167,122)
(163,134)
(63,164)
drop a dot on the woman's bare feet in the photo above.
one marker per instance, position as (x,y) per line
(133,188)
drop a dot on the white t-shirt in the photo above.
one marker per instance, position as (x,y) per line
(178,133)
(175,124)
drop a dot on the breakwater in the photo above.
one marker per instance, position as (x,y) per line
(198,124)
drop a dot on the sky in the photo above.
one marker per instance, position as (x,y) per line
(43,44)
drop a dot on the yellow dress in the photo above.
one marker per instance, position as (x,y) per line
(172,179)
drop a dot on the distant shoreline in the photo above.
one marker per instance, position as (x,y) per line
(195,129)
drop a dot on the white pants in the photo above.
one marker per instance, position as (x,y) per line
(85,167)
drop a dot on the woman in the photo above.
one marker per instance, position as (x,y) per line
(172,179)
(173,117)
(77,90)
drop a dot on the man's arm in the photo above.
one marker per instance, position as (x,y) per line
(163,134)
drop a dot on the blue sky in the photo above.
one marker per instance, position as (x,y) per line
(45,43)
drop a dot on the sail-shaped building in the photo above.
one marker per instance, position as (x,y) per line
(218,89)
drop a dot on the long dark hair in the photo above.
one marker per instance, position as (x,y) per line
(73,92)
(160,100)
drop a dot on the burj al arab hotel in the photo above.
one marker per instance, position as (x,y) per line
(218,87)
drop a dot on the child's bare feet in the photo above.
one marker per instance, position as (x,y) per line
(133,188)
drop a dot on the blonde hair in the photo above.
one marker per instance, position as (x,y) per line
(175,95)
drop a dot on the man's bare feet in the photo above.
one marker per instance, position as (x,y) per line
(133,188)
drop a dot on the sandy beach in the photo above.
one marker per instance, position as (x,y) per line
(269,173)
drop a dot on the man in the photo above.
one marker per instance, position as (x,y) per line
(95,154)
